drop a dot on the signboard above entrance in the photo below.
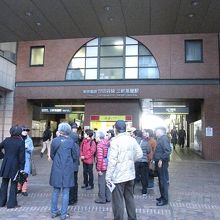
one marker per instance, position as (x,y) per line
(110,117)
(54,110)
(112,92)
(171,110)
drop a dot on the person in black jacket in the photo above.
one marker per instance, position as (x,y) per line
(161,158)
(14,160)
(46,142)
(73,195)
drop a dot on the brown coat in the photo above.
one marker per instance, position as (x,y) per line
(153,144)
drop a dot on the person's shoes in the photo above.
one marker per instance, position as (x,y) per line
(41,154)
(159,199)
(24,193)
(54,215)
(89,187)
(162,203)
(18,191)
(72,202)
(84,186)
(108,200)
(65,217)
(13,207)
(99,201)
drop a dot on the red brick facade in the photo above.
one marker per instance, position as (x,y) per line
(168,51)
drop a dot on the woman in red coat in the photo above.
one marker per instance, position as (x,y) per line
(87,152)
(104,194)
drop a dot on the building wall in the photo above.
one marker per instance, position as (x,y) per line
(168,50)
(7,85)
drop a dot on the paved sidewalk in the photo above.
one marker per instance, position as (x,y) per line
(194,194)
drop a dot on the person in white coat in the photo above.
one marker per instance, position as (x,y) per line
(124,151)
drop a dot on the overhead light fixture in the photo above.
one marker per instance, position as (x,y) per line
(191,15)
(38,24)
(28,13)
(107,8)
(195,3)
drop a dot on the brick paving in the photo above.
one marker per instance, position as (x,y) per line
(194,194)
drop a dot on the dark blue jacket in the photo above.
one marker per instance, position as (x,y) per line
(163,149)
(14,158)
(75,138)
(64,155)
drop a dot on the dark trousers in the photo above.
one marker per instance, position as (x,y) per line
(73,194)
(88,174)
(163,180)
(104,194)
(123,191)
(12,200)
(142,169)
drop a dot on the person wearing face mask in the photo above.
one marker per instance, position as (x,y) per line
(29,147)
(87,156)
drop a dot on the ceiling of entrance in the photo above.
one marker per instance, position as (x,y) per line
(54,19)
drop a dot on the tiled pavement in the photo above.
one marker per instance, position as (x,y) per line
(194,194)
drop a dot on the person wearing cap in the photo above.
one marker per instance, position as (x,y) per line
(73,195)
(110,134)
(161,158)
(123,152)
(14,160)
(29,147)
(64,156)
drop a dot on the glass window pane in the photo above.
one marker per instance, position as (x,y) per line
(111,62)
(131,61)
(75,74)
(143,50)
(131,50)
(93,42)
(91,74)
(193,51)
(91,51)
(131,73)
(91,62)
(80,53)
(111,51)
(130,41)
(112,41)
(77,63)
(37,56)
(111,73)
(148,73)
(147,61)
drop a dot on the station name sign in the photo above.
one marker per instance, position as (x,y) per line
(112,92)
(170,110)
(54,110)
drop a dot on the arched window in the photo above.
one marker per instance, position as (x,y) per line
(112,58)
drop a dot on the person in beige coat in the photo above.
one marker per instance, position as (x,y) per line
(124,151)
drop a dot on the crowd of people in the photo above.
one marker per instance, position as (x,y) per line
(122,159)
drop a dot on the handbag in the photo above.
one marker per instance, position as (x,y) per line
(20,177)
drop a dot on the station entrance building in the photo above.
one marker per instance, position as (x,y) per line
(98,81)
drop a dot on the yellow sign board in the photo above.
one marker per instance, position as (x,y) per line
(111,117)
